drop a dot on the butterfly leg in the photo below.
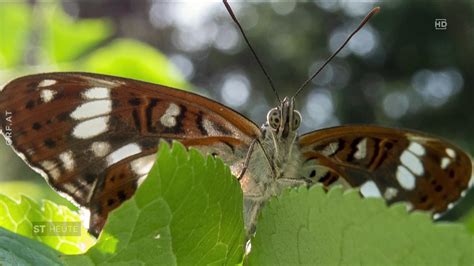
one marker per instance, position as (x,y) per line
(249,155)
(247,159)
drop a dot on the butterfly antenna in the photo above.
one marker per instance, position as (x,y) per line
(234,18)
(366,19)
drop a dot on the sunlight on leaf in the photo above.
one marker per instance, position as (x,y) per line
(36,191)
(19,216)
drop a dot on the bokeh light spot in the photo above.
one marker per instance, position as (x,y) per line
(396,104)
(235,90)
(184,65)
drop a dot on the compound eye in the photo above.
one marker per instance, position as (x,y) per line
(296,119)
(274,118)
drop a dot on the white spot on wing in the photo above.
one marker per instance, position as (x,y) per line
(361,149)
(405,178)
(412,162)
(390,193)
(69,187)
(370,190)
(210,128)
(451,153)
(96,93)
(122,153)
(46,83)
(48,165)
(100,148)
(169,118)
(83,183)
(91,128)
(330,149)
(445,161)
(142,166)
(47,95)
(92,109)
(416,148)
(67,160)
(51,168)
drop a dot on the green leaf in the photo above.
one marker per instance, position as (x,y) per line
(20,217)
(36,190)
(133,59)
(65,39)
(187,211)
(313,227)
(468,220)
(19,250)
(15,23)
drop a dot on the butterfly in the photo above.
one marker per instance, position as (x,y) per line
(94,138)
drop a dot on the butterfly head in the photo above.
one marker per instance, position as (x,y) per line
(284,120)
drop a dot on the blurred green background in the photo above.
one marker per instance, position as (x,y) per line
(398,71)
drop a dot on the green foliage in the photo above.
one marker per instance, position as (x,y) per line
(65,39)
(313,227)
(19,250)
(128,58)
(188,211)
(19,217)
(468,220)
(66,44)
(60,38)
(15,22)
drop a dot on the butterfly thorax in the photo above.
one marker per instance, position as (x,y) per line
(270,177)
(275,163)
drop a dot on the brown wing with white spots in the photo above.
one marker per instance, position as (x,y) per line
(398,165)
(93,136)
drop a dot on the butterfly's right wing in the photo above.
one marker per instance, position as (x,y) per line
(93,136)
(398,165)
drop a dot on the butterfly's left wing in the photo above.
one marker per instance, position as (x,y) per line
(94,136)
(398,165)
